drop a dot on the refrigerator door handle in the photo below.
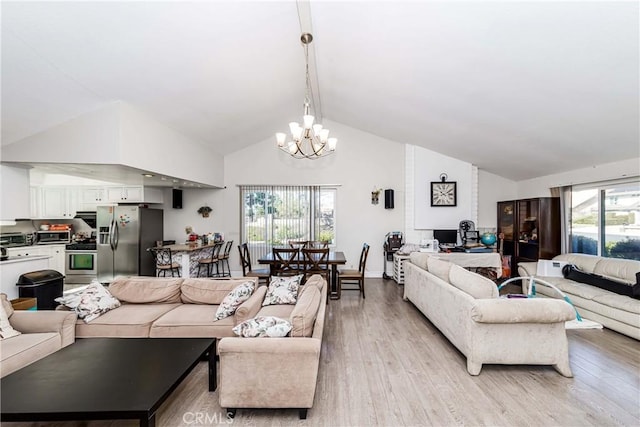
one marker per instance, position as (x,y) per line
(111,232)
(116,235)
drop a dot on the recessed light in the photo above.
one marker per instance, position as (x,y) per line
(162,178)
(148,175)
(175,180)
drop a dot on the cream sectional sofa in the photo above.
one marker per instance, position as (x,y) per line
(42,333)
(620,313)
(170,307)
(280,372)
(466,308)
(253,372)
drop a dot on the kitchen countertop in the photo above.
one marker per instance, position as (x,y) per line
(186,247)
(15,259)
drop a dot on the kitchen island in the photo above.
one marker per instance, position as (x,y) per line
(12,268)
(188,256)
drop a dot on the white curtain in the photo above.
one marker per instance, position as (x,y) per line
(564,193)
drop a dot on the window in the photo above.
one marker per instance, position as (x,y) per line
(273,215)
(605,220)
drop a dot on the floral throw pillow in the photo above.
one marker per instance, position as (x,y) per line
(263,326)
(89,304)
(232,301)
(282,290)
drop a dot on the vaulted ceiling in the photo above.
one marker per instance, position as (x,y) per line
(520,89)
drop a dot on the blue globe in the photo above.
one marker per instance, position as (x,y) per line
(488,239)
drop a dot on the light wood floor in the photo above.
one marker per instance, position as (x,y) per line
(383,363)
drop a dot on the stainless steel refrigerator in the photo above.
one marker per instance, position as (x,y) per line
(124,234)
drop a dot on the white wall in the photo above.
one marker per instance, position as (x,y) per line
(175,220)
(121,134)
(14,184)
(361,162)
(539,187)
(149,145)
(491,190)
(429,165)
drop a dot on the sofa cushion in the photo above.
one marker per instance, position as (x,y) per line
(232,301)
(141,290)
(209,291)
(305,312)
(282,290)
(6,304)
(25,349)
(584,262)
(127,321)
(280,310)
(471,283)
(6,330)
(439,267)
(91,303)
(263,326)
(621,270)
(192,321)
(419,259)
(619,302)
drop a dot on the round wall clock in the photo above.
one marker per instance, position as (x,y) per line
(443,193)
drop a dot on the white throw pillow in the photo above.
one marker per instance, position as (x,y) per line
(232,301)
(6,330)
(89,304)
(282,290)
(263,326)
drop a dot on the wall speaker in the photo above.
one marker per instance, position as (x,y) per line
(177,198)
(388,199)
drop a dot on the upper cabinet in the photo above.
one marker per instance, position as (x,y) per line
(134,194)
(63,202)
(58,202)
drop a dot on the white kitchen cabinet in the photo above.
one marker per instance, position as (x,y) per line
(58,202)
(134,194)
(57,260)
(55,252)
(91,197)
(28,251)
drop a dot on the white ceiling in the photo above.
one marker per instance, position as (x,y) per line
(520,89)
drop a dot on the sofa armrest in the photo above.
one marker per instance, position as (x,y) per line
(284,372)
(527,268)
(250,308)
(525,310)
(62,322)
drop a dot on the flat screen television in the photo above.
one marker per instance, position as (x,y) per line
(446,237)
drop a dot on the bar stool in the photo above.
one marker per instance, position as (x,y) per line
(209,262)
(164,261)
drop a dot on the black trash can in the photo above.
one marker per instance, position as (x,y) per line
(45,285)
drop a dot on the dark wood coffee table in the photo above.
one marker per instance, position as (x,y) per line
(104,379)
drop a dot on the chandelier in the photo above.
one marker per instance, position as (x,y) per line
(309,141)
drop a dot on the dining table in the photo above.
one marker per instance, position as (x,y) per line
(335,259)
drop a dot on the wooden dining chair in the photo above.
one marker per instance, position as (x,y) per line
(316,261)
(224,258)
(286,262)
(247,271)
(317,244)
(164,261)
(298,244)
(212,260)
(354,276)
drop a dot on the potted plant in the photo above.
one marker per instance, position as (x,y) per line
(204,211)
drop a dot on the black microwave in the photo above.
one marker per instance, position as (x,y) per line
(53,237)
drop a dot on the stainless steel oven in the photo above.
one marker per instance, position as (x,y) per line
(81,263)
